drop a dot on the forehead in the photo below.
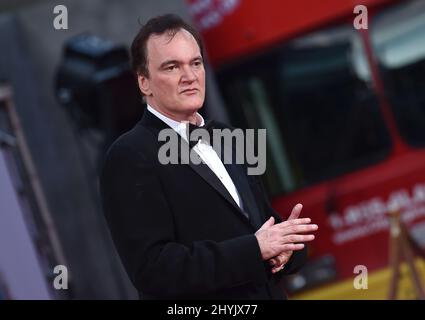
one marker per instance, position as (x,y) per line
(180,46)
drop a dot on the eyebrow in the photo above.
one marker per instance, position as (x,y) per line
(168,62)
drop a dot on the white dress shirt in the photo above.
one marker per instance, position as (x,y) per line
(205,151)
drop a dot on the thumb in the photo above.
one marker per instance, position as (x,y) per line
(268,223)
(296,212)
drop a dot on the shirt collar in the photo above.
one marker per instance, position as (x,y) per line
(179,127)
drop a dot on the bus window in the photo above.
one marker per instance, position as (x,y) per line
(398,39)
(314,96)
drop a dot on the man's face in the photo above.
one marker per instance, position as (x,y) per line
(176,83)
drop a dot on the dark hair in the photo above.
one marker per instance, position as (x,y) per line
(158,25)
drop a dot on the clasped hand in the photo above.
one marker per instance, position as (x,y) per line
(278,241)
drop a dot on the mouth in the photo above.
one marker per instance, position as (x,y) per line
(189,91)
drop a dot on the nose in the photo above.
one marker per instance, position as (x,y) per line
(188,74)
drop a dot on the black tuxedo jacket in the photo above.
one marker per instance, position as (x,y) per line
(179,233)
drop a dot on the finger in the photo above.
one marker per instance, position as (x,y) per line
(293,222)
(291,247)
(280,261)
(296,211)
(294,229)
(296,238)
(275,261)
(277,268)
(301,228)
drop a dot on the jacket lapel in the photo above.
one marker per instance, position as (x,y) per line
(210,177)
(248,200)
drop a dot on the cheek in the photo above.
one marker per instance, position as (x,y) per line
(201,76)
(166,88)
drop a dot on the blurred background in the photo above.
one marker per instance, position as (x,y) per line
(344,111)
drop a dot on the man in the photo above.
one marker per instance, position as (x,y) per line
(190,231)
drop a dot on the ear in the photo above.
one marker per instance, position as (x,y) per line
(144,85)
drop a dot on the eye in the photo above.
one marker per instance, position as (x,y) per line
(171,67)
(197,63)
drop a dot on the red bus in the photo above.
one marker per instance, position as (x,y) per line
(345,116)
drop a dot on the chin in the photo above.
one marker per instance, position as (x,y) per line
(194,105)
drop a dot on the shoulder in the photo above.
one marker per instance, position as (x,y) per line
(136,144)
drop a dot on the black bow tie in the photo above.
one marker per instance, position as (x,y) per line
(208,126)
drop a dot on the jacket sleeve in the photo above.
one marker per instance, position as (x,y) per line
(141,223)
